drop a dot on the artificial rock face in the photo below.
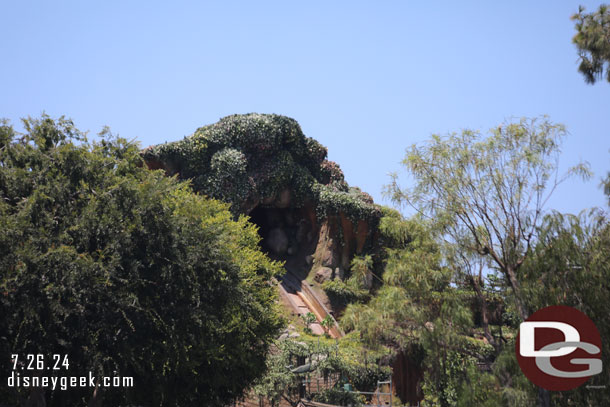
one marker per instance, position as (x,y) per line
(264,163)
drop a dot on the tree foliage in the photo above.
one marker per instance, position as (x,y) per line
(487,195)
(480,215)
(421,312)
(571,267)
(330,364)
(127,272)
(593,42)
(606,186)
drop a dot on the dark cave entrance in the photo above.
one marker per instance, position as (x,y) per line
(286,233)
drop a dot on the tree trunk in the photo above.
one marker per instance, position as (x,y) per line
(516,286)
(544,397)
(484,312)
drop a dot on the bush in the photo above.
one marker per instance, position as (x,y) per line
(127,272)
(247,159)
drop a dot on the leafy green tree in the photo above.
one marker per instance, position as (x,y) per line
(420,311)
(593,42)
(412,277)
(331,364)
(487,195)
(308,319)
(516,389)
(480,203)
(127,272)
(357,287)
(327,323)
(571,266)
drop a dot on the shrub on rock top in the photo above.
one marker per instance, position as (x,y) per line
(249,159)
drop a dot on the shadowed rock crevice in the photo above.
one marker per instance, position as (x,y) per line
(284,231)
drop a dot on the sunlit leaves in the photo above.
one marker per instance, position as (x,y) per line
(127,270)
(487,194)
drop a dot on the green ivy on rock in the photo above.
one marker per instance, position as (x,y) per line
(252,158)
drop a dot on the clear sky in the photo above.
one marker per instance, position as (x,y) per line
(365,78)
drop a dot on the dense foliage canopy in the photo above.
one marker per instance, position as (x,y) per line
(320,370)
(478,257)
(487,194)
(127,272)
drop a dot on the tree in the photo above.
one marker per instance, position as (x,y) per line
(127,272)
(327,323)
(292,363)
(308,319)
(593,42)
(420,312)
(487,196)
(571,266)
(606,186)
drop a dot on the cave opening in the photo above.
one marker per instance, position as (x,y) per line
(286,233)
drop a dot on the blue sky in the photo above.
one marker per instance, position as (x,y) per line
(366,79)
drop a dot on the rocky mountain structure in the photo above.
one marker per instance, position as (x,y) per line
(265,167)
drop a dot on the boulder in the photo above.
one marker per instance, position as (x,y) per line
(323,274)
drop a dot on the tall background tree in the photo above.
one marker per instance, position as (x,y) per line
(127,272)
(571,266)
(420,314)
(478,257)
(487,195)
(593,42)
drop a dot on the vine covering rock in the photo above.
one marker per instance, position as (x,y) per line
(253,159)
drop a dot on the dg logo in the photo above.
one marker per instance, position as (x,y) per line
(559,348)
